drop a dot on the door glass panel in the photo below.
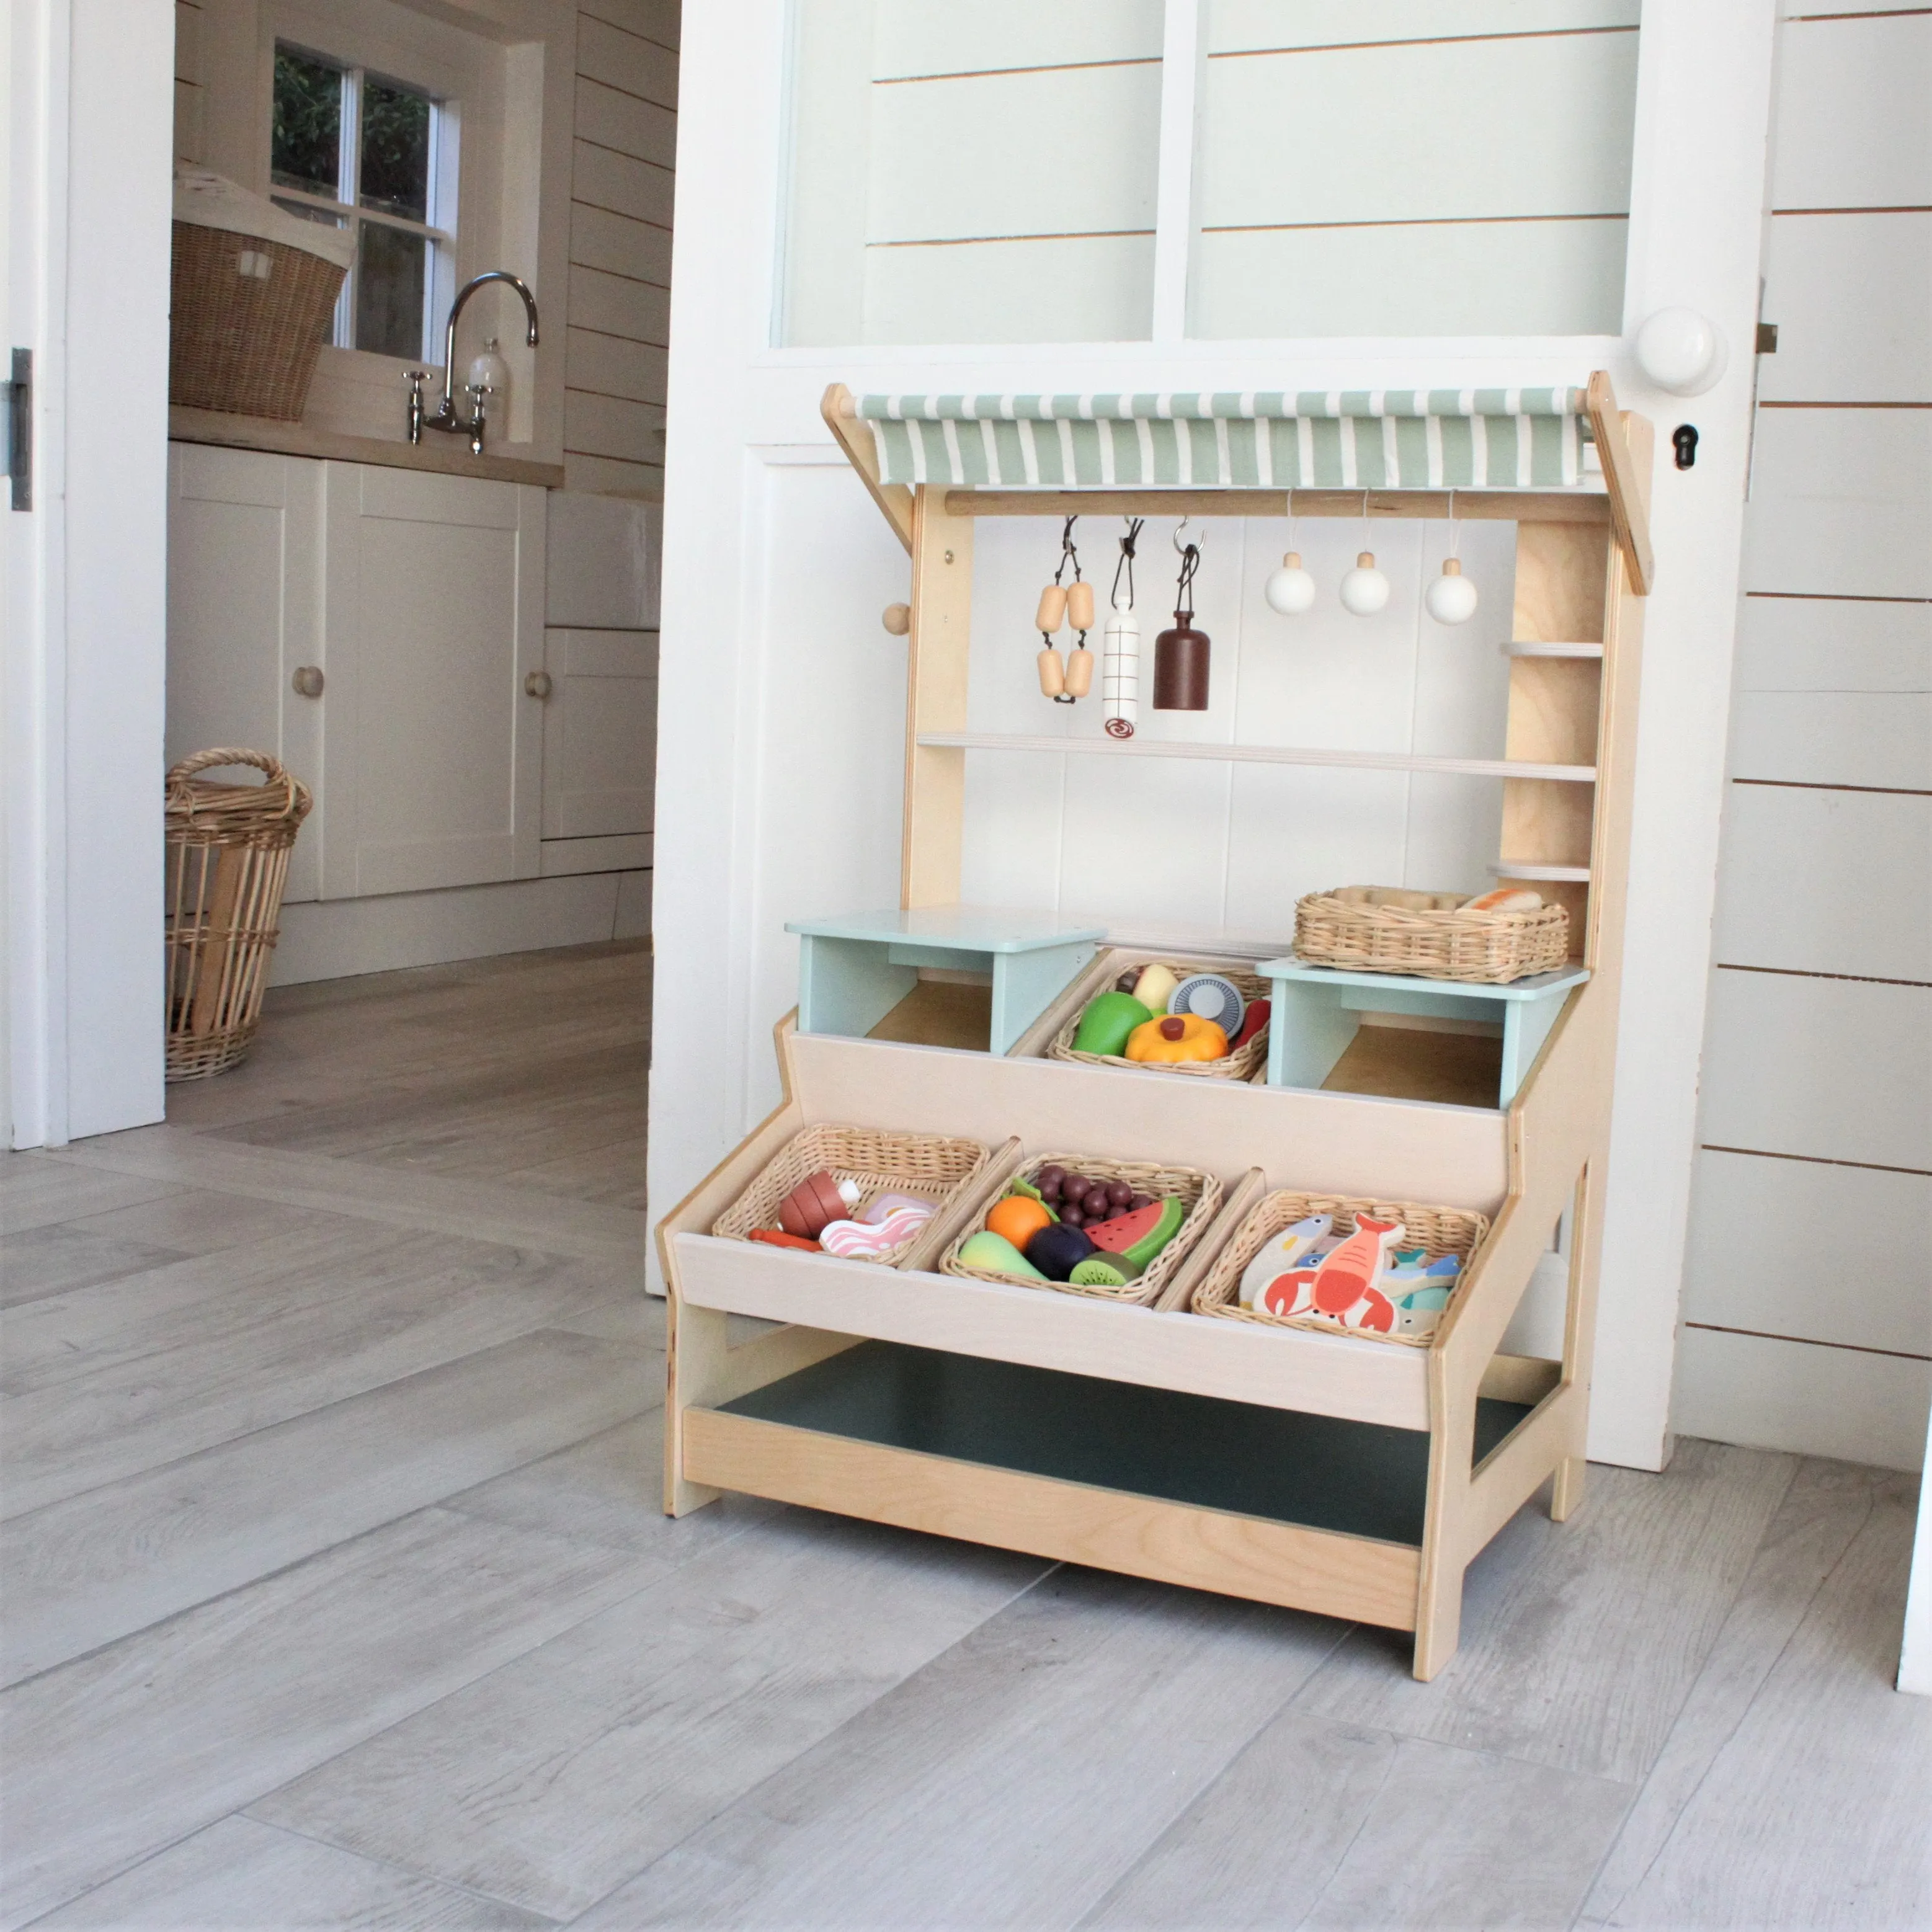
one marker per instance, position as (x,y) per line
(1423,167)
(395,150)
(305,144)
(389,269)
(972,173)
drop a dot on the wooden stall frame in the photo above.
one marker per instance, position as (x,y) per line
(1582,566)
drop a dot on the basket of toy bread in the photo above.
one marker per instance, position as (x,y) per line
(1384,1271)
(1113,1229)
(1165,1017)
(1493,938)
(861,1193)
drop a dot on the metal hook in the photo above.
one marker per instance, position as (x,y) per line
(1179,550)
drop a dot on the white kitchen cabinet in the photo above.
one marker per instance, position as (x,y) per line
(600,746)
(432,630)
(245,613)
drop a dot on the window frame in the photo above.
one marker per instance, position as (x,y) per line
(441,231)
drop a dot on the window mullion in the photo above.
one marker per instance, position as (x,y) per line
(1183,50)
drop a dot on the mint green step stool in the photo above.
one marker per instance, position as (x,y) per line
(1314,1012)
(853,970)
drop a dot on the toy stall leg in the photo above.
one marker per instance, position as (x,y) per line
(1308,1032)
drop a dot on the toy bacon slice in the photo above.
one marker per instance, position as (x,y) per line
(859,1238)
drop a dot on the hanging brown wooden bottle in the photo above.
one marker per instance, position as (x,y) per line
(1180,655)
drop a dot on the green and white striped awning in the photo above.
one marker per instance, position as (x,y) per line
(1336,440)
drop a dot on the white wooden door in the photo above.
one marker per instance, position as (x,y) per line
(244,614)
(434,623)
(991,199)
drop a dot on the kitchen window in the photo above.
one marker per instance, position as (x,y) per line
(355,148)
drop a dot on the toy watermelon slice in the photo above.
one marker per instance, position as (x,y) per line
(1139,1235)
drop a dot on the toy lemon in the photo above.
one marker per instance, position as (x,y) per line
(1018,1219)
(1179,1036)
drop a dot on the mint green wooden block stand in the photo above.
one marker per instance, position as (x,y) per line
(853,970)
(1316,1008)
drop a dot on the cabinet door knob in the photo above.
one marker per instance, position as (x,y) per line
(538,684)
(307,680)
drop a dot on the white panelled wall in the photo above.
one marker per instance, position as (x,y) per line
(1808,1302)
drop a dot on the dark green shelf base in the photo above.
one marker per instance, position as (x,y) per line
(1360,1478)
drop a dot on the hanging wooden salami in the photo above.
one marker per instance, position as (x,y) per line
(1121,656)
(1180,655)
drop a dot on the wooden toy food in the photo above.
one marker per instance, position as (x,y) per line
(1076,1199)
(1018,1218)
(1057,1250)
(1345,1276)
(875,1211)
(1110,1017)
(1213,998)
(865,1237)
(1136,1236)
(1179,1036)
(777,1238)
(1258,1014)
(1154,986)
(1278,1255)
(997,1255)
(817,1201)
(1180,655)
(1120,654)
(1504,899)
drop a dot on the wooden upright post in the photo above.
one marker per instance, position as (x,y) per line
(936,681)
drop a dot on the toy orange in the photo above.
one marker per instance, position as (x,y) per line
(1179,1036)
(1017,1218)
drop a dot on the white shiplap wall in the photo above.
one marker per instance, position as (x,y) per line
(1808,1302)
(620,219)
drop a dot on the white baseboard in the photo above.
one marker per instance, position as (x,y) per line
(334,939)
(1852,1405)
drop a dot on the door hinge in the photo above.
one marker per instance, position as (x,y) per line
(19,416)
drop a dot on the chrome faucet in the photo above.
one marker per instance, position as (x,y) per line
(446,417)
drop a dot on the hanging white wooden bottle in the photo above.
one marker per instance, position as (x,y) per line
(1120,666)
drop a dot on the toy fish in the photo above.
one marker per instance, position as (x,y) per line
(1345,1276)
(1279,1254)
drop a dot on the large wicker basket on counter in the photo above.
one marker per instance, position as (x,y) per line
(1347,929)
(228,848)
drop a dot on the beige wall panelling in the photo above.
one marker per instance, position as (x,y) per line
(434,620)
(1832,1068)
(617,305)
(1851,129)
(1236,24)
(1766,1393)
(1851,297)
(1883,738)
(1826,644)
(1817,879)
(244,611)
(1758,1263)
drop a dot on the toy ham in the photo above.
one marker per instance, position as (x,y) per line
(860,1240)
(817,1199)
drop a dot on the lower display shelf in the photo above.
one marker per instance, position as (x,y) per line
(1358,1478)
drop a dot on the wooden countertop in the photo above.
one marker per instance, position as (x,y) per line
(447,455)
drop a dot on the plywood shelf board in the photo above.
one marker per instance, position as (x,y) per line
(1524,647)
(1260,754)
(1351,1478)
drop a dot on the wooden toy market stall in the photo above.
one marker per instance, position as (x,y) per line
(1288,1461)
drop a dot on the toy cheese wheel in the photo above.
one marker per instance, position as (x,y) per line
(1213,998)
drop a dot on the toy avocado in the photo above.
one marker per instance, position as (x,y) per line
(1180,1037)
(1108,1020)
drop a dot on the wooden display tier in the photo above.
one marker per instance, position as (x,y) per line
(1328,1472)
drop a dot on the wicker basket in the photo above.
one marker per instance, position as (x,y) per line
(1242,1064)
(228,857)
(933,1166)
(1437,1231)
(1201,1191)
(1349,929)
(238,342)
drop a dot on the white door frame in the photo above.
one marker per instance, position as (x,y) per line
(90,134)
(1703,110)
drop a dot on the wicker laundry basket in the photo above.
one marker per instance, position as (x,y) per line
(253,289)
(228,858)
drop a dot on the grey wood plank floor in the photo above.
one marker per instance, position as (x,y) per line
(336,1593)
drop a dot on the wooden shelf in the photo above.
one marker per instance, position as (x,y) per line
(1522,647)
(1569,874)
(1259,755)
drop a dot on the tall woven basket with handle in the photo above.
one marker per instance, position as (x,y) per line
(228,858)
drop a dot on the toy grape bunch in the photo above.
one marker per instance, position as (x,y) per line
(1452,599)
(1291,590)
(1121,656)
(1070,604)
(1365,590)
(1180,655)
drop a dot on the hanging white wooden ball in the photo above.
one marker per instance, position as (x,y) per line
(1291,590)
(1452,597)
(1365,590)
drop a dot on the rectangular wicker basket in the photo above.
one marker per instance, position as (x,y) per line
(1437,1231)
(1202,1192)
(1357,929)
(936,1167)
(1242,1064)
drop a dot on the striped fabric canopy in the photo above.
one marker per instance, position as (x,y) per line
(1336,440)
